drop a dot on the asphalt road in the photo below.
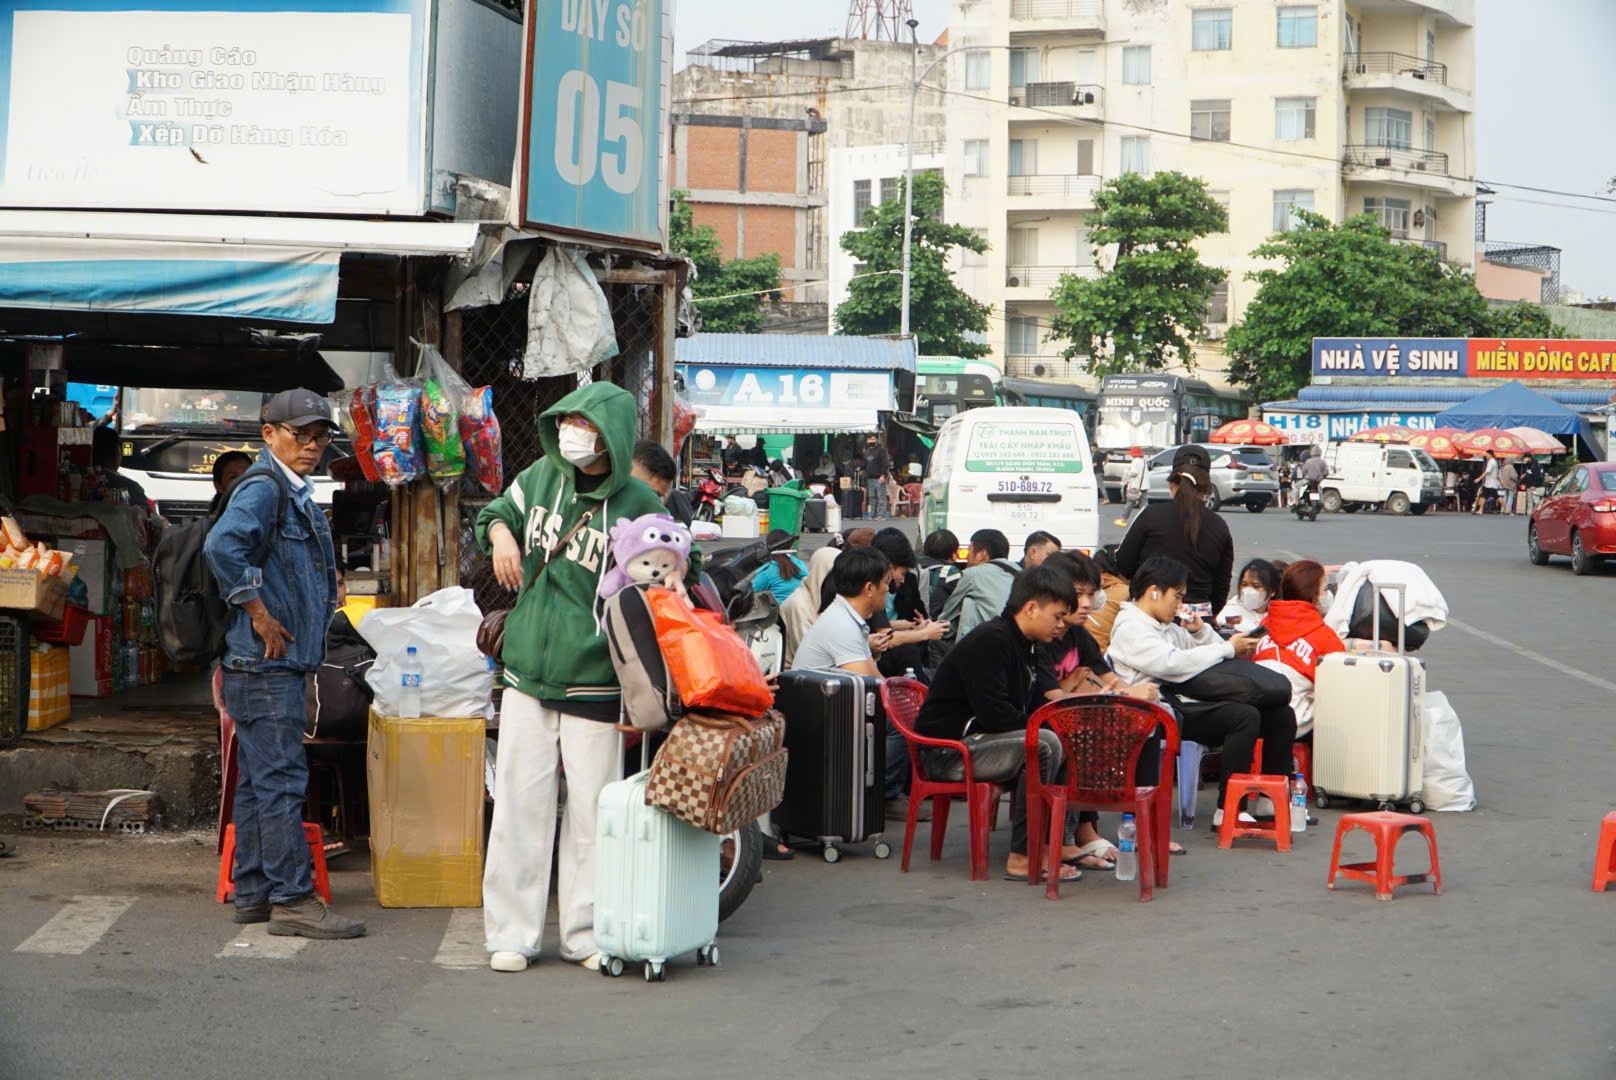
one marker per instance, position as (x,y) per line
(1245,966)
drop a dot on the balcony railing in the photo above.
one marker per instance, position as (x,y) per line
(1049,94)
(1397,157)
(1057,9)
(1438,246)
(1044,367)
(1396,63)
(1053,184)
(1041,277)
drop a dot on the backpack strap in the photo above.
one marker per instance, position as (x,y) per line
(285,488)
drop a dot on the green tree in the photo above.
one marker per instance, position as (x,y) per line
(756,279)
(1521,321)
(940,313)
(1350,279)
(1144,313)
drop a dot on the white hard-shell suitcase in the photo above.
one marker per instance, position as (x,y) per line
(1369,723)
(656,883)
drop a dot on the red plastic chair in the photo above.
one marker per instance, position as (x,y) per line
(902,698)
(1102,737)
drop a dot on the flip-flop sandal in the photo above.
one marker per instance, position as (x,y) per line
(1075,875)
(775,850)
(1098,864)
(1100,848)
(1175,848)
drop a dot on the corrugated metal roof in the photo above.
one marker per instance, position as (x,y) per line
(836,351)
(1355,406)
(1445,395)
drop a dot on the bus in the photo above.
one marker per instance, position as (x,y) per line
(1155,412)
(1047,393)
(948,385)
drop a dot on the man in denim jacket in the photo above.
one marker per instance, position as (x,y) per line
(277,570)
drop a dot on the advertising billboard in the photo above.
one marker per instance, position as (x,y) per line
(595,118)
(1474,358)
(297,106)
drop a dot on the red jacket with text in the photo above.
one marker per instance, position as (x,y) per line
(1297,637)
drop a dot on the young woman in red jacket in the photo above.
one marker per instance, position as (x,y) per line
(1297,637)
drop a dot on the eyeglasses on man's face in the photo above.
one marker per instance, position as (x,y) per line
(320,436)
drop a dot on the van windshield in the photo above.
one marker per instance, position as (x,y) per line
(1019,446)
(1426,462)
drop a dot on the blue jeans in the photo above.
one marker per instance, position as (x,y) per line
(898,770)
(875,498)
(272,857)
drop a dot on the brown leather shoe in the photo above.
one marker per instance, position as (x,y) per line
(311,917)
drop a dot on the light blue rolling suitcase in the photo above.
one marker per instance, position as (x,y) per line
(656,883)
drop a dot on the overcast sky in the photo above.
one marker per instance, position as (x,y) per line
(1546,74)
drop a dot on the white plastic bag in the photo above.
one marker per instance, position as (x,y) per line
(456,679)
(569,322)
(1447,781)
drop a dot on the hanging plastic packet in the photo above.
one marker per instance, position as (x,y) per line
(479,428)
(442,393)
(397,448)
(361,414)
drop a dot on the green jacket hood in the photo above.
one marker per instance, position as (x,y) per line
(611,409)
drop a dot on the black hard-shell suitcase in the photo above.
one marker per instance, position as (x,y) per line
(852,500)
(835,775)
(813,515)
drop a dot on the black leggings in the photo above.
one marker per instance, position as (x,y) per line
(1236,728)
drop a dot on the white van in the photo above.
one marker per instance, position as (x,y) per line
(1016,470)
(1400,479)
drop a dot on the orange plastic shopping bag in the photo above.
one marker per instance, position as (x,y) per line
(708,662)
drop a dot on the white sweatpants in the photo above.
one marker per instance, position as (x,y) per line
(533,741)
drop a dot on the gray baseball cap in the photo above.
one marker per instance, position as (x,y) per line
(298,408)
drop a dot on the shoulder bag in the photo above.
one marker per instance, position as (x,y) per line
(491,631)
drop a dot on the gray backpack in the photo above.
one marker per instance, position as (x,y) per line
(650,698)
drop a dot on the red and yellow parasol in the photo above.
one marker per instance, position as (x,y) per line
(1440,443)
(1538,442)
(1491,440)
(1253,432)
(1385,433)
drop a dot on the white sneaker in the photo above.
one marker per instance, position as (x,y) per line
(1263,806)
(508,961)
(1245,818)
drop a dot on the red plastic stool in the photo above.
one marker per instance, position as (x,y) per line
(311,833)
(1605,860)
(1387,828)
(1277,788)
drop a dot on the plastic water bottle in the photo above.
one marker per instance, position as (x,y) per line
(409,694)
(909,673)
(1127,849)
(1298,803)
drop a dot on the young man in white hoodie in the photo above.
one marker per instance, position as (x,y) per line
(1147,644)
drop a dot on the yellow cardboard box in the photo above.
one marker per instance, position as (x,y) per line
(50,688)
(426,810)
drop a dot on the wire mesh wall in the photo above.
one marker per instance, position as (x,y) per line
(492,342)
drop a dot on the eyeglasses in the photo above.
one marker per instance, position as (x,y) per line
(305,437)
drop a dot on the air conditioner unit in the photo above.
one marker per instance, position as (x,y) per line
(1214,333)
(1012,282)
(1383,163)
(1083,98)
(1039,371)
(1018,97)
(1363,69)
(1420,165)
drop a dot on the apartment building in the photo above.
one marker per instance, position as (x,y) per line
(1338,106)
(866,176)
(754,123)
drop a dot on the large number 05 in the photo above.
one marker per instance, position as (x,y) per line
(579,134)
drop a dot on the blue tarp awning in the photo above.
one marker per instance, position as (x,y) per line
(1517,405)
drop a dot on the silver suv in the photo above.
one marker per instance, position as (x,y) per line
(1240,474)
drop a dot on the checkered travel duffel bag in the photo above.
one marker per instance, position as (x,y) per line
(719,772)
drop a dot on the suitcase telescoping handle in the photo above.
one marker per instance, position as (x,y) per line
(1402,613)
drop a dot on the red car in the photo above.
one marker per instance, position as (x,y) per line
(1577,518)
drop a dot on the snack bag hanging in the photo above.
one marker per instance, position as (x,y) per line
(442,393)
(397,447)
(479,428)
(361,425)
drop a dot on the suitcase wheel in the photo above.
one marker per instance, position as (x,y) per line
(654,972)
(1416,806)
(832,853)
(707,956)
(611,966)
(883,850)
(1386,807)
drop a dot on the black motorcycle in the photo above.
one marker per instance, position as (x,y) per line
(1305,501)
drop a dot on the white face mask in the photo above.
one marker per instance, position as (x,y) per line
(1253,599)
(1326,599)
(1097,603)
(577,445)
